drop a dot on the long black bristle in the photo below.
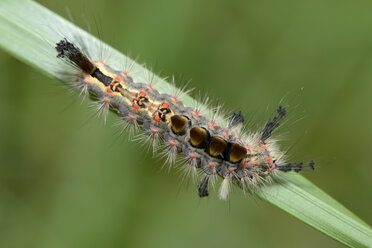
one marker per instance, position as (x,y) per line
(272,124)
(67,50)
(235,119)
(297,167)
(203,187)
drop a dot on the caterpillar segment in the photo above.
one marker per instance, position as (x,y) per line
(205,145)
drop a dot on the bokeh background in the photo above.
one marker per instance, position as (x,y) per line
(67,181)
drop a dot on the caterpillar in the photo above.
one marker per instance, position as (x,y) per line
(207,145)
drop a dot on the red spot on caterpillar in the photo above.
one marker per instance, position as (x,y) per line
(133,118)
(225,133)
(172,143)
(212,165)
(269,159)
(106,100)
(174,99)
(211,124)
(154,131)
(125,74)
(108,90)
(117,78)
(231,170)
(149,87)
(86,81)
(156,118)
(135,106)
(112,84)
(262,145)
(142,93)
(195,113)
(247,147)
(164,105)
(138,99)
(192,156)
(272,167)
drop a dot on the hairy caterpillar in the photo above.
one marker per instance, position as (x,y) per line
(207,143)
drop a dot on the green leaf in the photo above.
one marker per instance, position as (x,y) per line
(29,32)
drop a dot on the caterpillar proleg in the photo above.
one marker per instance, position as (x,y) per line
(207,145)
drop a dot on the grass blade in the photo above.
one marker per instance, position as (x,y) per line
(30,37)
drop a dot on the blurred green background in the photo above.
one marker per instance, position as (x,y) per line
(67,181)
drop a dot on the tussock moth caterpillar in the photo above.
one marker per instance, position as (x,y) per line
(204,142)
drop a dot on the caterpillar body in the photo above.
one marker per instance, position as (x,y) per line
(207,145)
